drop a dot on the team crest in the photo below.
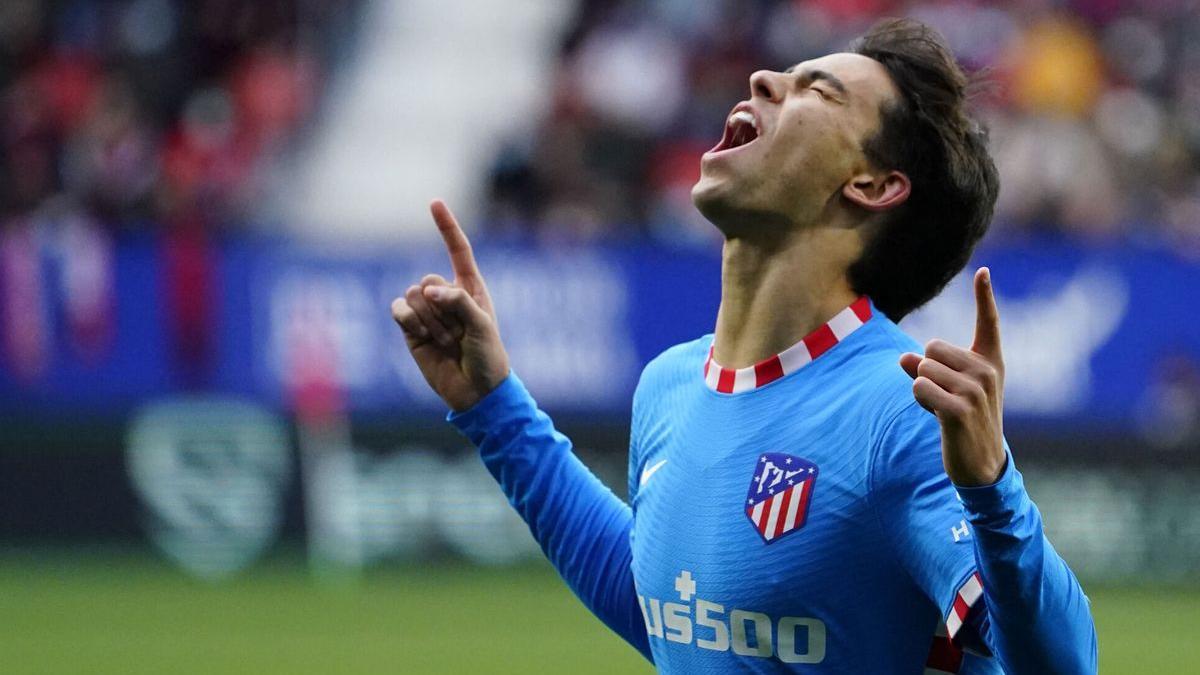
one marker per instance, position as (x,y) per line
(779,494)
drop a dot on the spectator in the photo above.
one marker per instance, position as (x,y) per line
(151,111)
(1093,109)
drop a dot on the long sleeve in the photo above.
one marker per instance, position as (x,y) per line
(582,527)
(1035,617)
(980,555)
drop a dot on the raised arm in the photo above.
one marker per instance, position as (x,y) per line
(1035,617)
(451,328)
(582,527)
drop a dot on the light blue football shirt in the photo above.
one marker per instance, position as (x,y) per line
(804,522)
(792,517)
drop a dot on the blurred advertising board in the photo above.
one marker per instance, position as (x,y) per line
(1095,338)
(214,484)
(219,400)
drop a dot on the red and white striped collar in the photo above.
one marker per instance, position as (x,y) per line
(816,343)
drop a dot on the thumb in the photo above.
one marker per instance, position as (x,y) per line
(909,362)
(459,304)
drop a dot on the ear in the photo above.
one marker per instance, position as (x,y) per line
(875,192)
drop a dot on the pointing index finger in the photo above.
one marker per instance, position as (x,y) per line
(987,317)
(462,260)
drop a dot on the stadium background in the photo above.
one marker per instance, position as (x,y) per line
(215,454)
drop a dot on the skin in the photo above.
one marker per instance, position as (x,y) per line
(796,207)
(965,389)
(451,327)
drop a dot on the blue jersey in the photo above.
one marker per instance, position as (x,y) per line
(793,517)
(804,520)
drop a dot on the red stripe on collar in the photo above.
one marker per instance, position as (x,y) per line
(816,343)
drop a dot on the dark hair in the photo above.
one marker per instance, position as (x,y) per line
(929,136)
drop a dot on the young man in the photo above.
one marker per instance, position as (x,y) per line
(806,491)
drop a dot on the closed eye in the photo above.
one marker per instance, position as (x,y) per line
(826,95)
(824,78)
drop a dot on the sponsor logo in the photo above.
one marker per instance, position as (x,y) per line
(709,625)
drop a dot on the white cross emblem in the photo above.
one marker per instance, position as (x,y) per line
(685,585)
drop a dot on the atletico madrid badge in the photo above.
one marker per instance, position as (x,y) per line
(780,492)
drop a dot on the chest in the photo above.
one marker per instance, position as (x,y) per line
(762,511)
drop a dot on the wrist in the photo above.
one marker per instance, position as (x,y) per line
(994,505)
(508,399)
(980,476)
(469,401)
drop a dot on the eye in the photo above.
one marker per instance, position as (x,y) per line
(824,94)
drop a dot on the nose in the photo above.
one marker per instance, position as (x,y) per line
(766,84)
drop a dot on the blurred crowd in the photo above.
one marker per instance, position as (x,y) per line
(1094,107)
(162,112)
(140,115)
(170,113)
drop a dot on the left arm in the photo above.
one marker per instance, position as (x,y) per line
(1035,617)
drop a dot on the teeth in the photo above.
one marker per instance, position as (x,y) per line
(744,117)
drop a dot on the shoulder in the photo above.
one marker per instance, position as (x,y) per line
(675,364)
(905,438)
(883,388)
(669,372)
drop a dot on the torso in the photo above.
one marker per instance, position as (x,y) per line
(814,588)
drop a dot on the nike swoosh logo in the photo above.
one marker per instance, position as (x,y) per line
(649,471)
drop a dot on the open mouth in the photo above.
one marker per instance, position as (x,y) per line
(741,128)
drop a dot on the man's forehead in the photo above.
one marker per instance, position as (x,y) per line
(862,75)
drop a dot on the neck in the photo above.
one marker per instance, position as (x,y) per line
(775,293)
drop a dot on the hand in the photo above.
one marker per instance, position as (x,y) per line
(451,327)
(965,389)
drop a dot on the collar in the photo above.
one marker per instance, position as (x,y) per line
(804,352)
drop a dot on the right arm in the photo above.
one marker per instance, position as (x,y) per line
(582,527)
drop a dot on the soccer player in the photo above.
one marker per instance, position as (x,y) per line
(807,491)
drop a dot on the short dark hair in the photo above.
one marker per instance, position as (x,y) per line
(929,135)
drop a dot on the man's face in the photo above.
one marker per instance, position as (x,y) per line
(787,152)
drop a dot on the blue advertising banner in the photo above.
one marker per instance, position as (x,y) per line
(1106,337)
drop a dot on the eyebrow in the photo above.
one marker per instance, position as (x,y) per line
(813,75)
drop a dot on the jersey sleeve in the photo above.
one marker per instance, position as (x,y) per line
(920,515)
(980,554)
(635,451)
(582,527)
(1037,618)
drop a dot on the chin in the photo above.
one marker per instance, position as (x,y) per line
(718,200)
(735,211)
(712,194)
